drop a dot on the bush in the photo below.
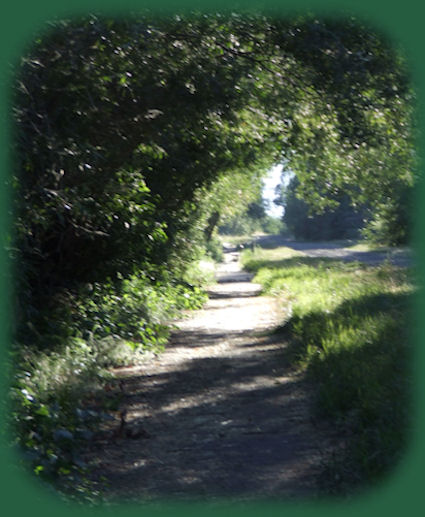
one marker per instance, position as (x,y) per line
(62,363)
(214,249)
(391,220)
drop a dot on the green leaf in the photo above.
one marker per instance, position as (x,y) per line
(38,469)
(43,410)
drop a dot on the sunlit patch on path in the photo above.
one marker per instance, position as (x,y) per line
(225,415)
(234,305)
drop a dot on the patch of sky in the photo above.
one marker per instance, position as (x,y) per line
(271,181)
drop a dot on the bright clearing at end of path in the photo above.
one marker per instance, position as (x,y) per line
(271,181)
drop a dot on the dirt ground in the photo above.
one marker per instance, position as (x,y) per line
(401,257)
(220,414)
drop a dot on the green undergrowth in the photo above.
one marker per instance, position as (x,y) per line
(63,388)
(348,329)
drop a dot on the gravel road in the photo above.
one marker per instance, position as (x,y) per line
(401,257)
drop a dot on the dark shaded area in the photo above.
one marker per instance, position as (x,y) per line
(366,386)
(235,441)
(238,294)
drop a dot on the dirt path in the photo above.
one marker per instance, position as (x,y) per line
(224,414)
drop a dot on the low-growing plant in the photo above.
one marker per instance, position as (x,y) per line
(63,362)
(349,331)
(214,249)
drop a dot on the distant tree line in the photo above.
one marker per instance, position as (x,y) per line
(342,222)
(389,223)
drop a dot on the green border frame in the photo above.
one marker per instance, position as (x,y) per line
(402,491)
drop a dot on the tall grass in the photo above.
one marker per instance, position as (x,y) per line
(348,329)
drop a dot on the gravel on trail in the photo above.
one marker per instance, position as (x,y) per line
(222,414)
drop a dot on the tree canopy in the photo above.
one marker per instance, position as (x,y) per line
(133,132)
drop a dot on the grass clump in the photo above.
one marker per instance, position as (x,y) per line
(348,329)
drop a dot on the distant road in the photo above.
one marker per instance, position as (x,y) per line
(402,257)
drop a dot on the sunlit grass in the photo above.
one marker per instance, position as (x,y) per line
(258,257)
(364,246)
(348,329)
(235,240)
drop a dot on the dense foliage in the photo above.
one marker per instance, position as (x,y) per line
(122,125)
(137,137)
(253,219)
(340,222)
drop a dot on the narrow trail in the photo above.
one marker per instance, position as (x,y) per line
(224,415)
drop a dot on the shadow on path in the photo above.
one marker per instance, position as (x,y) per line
(225,414)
